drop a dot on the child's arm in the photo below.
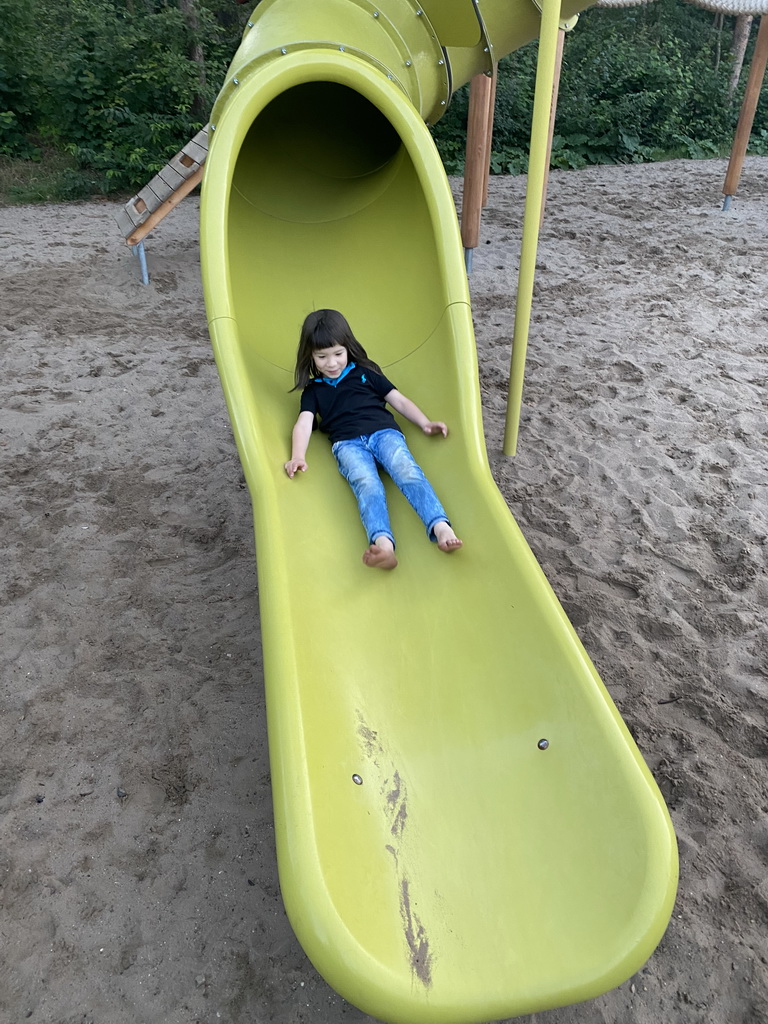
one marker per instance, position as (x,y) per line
(412,412)
(300,438)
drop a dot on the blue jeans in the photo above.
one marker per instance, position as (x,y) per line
(358,461)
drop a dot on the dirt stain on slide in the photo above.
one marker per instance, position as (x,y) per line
(394,791)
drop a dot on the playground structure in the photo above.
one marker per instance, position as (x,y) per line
(377,786)
(465,828)
(145,210)
(185,170)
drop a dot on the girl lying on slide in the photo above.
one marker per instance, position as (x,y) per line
(349,394)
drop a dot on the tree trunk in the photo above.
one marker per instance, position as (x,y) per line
(196,54)
(740,40)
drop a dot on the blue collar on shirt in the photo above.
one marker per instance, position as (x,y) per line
(333,381)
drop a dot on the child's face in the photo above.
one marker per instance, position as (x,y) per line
(330,362)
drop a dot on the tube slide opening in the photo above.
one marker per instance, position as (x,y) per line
(328,208)
(317,152)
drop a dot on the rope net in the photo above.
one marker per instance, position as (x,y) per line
(733,7)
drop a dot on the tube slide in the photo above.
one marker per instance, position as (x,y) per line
(465,828)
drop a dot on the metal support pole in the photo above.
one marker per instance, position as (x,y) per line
(537,158)
(138,250)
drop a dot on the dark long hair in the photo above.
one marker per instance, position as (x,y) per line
(326,328)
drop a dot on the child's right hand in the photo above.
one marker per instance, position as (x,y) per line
(432,427)
(294,465)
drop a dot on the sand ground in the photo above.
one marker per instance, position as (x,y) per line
(138,882)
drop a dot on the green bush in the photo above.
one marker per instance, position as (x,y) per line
(16,81)
(116,87)
(112,83)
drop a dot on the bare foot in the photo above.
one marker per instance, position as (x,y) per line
(380,555)
(446,539)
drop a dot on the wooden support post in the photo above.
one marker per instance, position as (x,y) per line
(747,115)
(476,156)
(552,116)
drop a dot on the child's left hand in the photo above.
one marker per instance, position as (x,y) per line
(435,428)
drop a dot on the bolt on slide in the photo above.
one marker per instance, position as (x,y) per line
(465,828)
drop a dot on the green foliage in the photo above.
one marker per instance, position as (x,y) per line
(54,177)
(119,85)
(103,92)
(637,84)
(68,185)
(759,143)
(16,105)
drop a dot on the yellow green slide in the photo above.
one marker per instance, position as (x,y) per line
(465,828)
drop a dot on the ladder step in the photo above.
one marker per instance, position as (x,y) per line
(156,192)
(184,165)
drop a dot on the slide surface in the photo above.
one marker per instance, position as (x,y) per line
(465,828)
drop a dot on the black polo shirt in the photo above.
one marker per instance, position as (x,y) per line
(351,406)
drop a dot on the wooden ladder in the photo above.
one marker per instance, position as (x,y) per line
(161,195)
